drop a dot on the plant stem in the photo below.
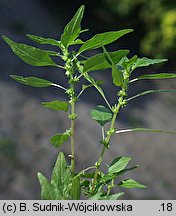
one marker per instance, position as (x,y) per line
(72,131)
(70,74)
(107,141)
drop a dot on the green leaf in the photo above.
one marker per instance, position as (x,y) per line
(76,188)
(32,81)
(73,28)
(130,183)
(47,190)
(107,178)
(29,54)
(126,170)
(99,62)
(87,175)
(76,42)
(51,53)
(59,139)
(143,62)
(103,39)
(97,195)
(110,176)
(107,56)
(41,40)
(144,130)
(118,164)
(96,85)
(127,63)
(61,177)
(57,105)
(112,197)
(155,76)
(149,92)
(85,183)
(101,114)
(117,75)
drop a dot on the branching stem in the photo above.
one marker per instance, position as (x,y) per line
(108,137)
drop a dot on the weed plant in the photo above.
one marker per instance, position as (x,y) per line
(91,182)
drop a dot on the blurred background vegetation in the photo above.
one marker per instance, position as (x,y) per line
(26,126)
(154,22)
